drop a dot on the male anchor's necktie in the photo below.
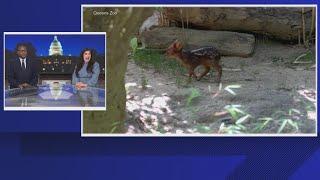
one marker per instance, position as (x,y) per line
(23,64)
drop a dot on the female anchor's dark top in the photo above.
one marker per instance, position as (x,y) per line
(91,79)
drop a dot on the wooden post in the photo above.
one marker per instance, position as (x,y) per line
(299,37)
(312,24)
(303,28)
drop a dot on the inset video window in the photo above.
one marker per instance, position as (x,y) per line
(206,70)
(55,71)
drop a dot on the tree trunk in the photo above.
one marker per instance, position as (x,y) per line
(120,25)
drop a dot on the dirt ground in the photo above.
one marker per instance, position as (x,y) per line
(271,87)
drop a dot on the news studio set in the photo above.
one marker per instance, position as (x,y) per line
(159,90)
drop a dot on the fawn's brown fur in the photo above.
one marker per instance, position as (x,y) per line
(206,56)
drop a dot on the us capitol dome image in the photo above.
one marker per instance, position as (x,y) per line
(59,64)
(55,47)
(55,62)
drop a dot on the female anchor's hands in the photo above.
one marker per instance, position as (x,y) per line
(81,85)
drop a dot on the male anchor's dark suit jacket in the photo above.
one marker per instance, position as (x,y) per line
(17,75)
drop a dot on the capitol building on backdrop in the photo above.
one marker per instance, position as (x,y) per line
(58,63)
(55,47)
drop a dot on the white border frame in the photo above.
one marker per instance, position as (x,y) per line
(54,108)
(208,135)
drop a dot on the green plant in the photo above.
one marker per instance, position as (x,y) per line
(144,82)
(235,111)
(232,129)
(194,93)
(305,58)
(161,130)
(179,81)
(281,119)
(260,126)
(284,122)
(230,87)
(277,59)
(202,129)
(238,117)
(114,126)
(134,44)
(160,9)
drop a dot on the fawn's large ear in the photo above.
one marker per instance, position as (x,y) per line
(178,45)
(175,43)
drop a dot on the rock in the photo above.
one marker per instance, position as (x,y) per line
(228,43)
(150,22)
(279,22)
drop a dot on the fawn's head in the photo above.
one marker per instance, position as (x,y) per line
(174,49)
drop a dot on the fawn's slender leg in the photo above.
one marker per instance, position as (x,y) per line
(204,73)
(218,68)
(191,72)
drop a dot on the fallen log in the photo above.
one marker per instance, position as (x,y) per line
(282,23)
(227,43)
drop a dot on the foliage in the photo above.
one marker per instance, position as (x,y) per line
(234,111)
(114,126)
(157,60)
(194,93)
(232,129)
(202,129)
(282,120)
(230,87)
(239,117)
(144,82)
(134,44)
(307,57)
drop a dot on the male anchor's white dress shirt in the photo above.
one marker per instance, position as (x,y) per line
(25,62)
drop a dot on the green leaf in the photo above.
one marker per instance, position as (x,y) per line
(222,127)
(239,111)
(233,86)
(113,129)
(278,113)
(293,124)
(264,124)
(265,119)
(230,87)
(232,106)
(242,126)
(233,113)
(115,123)
(231,91)
(242,119)
(282,125)
(134,44)
(203,129)
(294,110)
(307,57)
(194,93)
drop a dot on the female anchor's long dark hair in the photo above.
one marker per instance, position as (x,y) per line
(90,63)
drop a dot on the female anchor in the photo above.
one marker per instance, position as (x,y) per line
(87,70)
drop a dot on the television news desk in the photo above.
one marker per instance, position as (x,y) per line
(55,95)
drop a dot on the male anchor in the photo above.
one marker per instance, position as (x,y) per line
(22,72)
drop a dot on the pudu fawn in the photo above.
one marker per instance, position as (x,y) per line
(206,56)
